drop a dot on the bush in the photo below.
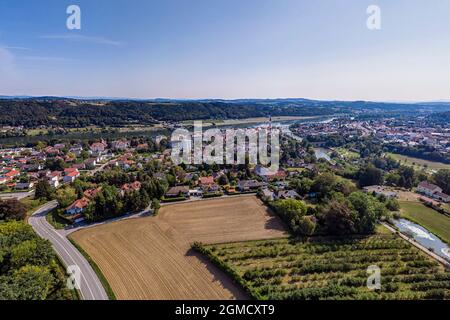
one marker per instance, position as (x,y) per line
(167,200)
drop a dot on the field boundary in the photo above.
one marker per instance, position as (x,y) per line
(102,278)
(429,228)
(226,268)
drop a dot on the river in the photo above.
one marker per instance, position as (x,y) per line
(424,237)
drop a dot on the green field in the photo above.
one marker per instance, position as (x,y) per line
(56,220)
(347,154)
(430,219)
(330,268)
(417,163)
(446,206)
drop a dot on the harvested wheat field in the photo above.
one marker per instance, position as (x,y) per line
(150,258)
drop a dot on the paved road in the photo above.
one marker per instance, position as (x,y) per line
(90,286)
(17,195)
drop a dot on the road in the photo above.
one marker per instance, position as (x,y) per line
(17,195)
(90,286)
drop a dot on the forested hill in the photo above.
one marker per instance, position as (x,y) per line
(32,112)
(441,118)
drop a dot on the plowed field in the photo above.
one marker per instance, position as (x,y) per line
(150,258)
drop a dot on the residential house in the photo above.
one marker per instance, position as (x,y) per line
(267,175)
(12,174)
(71,176)
(130,187)
(54,178)
(98,147)
(210,188)
(205,181)
(175,192)
(76,150)
(91,193)
(433,191)
(119,145)
(77,207)
(442,197)
(24,185)
(287,194)
(427,188)
(250,185)
(380,191)
(268,194)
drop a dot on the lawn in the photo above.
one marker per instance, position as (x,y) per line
(347,154)
(56,220)
(330,268)
(419,163)
(430,219)
(446,206)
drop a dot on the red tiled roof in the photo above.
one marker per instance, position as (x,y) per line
(73,174)
(134,186)
(206,180)
(79,204)
(92,192)
(12,173)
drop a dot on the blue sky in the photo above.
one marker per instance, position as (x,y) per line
(227,49)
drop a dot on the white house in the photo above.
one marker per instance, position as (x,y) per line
(433,191)
(428,189)
(71,176)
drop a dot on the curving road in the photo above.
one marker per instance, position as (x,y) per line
(90,286)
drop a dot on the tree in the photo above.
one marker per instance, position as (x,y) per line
(291,211)
(32,282)
(324,184)
(392,179)
(84,154)
(223,180)
(66,196)
(442,179)
(12,209)
(370,176)
(339,219)
(407,177)
(302,186)
(43,190)
(29,270)
(36,252)
(307,225)
(107,204)
(155,206)
(55,164)
(392,205)
(368,209)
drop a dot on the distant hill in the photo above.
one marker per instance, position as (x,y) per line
(441,118)
(79,112)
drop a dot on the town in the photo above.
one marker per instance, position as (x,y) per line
(76,171)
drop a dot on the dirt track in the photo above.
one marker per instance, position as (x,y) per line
(150,258)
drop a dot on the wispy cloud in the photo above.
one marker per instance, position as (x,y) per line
(85,39)
(16,48)
(6,62)
(44,58)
